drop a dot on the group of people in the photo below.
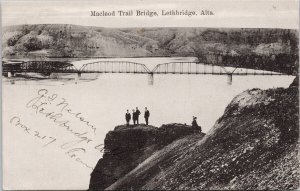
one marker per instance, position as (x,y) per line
(136,113)
(135,116)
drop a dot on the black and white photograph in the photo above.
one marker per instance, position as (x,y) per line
(156,95)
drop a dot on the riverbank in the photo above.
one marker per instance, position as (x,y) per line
(253,145)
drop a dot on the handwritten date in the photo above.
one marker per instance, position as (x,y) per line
(47,140)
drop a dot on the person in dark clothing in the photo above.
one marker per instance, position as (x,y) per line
(146,115)
(137,115)
(194,123)
(127,117)
(134,116)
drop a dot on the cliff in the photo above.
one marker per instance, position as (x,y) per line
(127,147)
(254,145)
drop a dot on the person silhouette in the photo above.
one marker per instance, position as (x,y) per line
(195,124)
(146,115)
(127,117)
(134,117)
(137,115)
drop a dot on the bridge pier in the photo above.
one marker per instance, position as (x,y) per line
(12,81)
(229,79)
(54,75)
(150,79)
(77,77)
(10,74)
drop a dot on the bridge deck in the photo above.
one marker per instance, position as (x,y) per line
(130,67)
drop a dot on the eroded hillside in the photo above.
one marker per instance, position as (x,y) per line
(62,40)
(254,145)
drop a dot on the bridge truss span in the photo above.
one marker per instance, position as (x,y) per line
(202,68)
(114,67)
(39,67)
(48,67)
(187,68)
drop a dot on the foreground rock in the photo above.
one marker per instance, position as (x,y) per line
(127,147)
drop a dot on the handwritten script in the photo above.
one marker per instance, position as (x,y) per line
(75,132)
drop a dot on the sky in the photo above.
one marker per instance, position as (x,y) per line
(236,13)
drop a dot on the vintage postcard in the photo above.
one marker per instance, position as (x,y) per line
(150,95)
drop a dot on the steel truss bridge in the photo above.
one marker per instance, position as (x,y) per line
(48,67)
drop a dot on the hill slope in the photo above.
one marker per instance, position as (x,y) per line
(62,40)
(254,145)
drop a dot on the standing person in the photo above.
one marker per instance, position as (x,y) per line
(195,124)
(134,116)
(137,115)
(146,115)
(127,117)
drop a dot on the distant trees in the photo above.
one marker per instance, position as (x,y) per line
(32,44)
(13,40)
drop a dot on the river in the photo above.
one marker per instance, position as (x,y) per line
(103,102)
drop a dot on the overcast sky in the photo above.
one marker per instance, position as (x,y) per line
(241,13)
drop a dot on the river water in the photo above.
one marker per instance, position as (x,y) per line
(103,102)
